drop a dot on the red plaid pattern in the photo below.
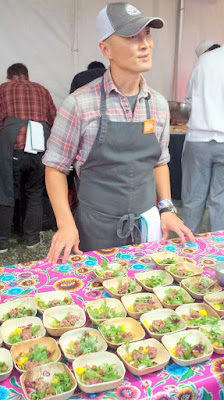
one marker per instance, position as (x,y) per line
(77,122)
(25,100)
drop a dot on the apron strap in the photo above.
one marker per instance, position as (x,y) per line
(104,118)
(126,226)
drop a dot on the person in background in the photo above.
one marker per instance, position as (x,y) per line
(115,131)
(203,155)
(94,70)
(23,103)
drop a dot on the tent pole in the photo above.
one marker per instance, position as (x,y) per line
(179,44)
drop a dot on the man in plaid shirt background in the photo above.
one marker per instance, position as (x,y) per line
(21,101)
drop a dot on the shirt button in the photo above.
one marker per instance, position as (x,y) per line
(127,111)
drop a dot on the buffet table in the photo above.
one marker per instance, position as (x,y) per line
(198,382)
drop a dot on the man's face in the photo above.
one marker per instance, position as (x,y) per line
(132,54)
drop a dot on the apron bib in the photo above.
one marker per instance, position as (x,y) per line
(116,183)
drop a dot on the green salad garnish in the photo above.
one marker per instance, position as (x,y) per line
(175,296)
(200,286)
(60,383)
(155,280)
(52,303)
(216,335)
(123,288)
(180,271)
(3,367)
(98,374)
(167,325)
(142,357)
(197,318)
(105,270)
(186,351)
(35,354)
(18,312)
(116,334)
(23,333)
(168,260)
(86,344)
(104,312)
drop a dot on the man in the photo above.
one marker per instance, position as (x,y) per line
(203,160)
(22,101)
(94,70)
(121,161)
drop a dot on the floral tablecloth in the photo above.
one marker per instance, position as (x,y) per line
(198,382)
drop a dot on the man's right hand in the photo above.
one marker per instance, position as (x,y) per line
(67,237)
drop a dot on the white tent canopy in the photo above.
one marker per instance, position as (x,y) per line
(56,39)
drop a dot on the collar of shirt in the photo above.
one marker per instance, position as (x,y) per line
(109,85)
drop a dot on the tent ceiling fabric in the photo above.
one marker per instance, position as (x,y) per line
(56,39)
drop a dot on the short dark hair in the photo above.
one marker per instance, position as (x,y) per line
(17,70)
(214,46)
(96,64)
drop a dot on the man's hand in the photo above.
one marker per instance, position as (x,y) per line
(170,222)
(67,237)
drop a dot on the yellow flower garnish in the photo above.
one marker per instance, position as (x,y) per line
(55,380)
(146,324)
(71,343)
(80,370)
(90,334)
(173,351)
(100,310)
(23,361)
(145,350)
(130,308)
(218,307)
(216,344)
(17,330)
(143,281)
(203,313)
(123,327)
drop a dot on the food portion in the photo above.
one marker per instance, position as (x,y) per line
(124,288)
(200,286)
(104,312)
(180,271)
(40,389)
(113,270)
(219,304)
(197,318)
(87,343)
(33,357)
(142,357)
(3,367)
(116,334)
(24,333)
(175,297)
(154,280)
(69,320)
(18,312)
(216,336)
(162,326)
(142,304)
(166,260)
(185,351)
(52,303)
(97,374)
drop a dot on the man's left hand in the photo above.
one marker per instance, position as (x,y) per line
(170,222)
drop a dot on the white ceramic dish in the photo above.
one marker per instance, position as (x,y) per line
(6,357)
(217,350)
(160,292)
(213,299)
(164,256)
(130,325)
(111,267)
(112,303)
(114,283)
(186,308)
(192,269)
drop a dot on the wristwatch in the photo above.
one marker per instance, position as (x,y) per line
(168,209)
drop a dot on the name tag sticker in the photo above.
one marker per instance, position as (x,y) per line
(149,126)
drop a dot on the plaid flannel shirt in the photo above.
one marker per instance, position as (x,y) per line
(77,122)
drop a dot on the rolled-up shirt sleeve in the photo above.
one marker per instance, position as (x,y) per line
(163,135)
(64,140)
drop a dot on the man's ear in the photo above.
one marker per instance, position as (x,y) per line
(105,48)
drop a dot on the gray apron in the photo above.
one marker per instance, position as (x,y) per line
(116,183)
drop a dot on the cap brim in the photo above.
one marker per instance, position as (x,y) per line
(135,26)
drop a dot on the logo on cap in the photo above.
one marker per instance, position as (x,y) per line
(131,10)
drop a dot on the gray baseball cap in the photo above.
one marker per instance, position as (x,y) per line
(123,19)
